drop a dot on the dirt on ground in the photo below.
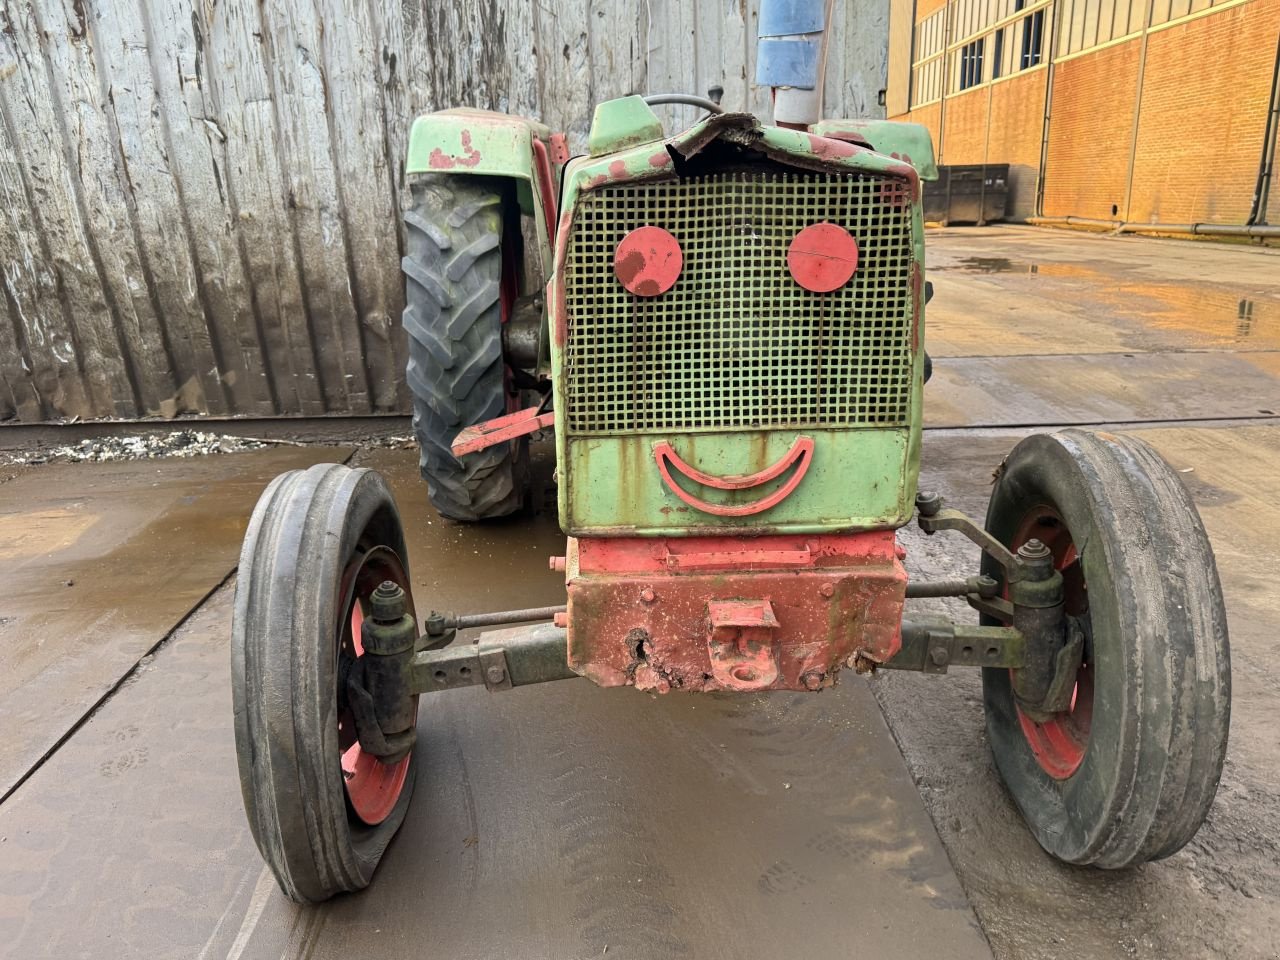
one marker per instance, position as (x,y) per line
(178,443)
(1218,897)
(1037,328)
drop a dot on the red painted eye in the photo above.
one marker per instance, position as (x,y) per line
(648,261)
(822,257)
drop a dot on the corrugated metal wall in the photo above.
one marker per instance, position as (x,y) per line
(201,199)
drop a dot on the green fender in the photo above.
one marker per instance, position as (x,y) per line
(902,141)
(485,144)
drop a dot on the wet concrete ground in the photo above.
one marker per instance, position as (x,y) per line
(100,564)
(562,820)
(552,821)
(1219,896)
(1070,328)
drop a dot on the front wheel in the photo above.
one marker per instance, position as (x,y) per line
(321,810)
(1127,772)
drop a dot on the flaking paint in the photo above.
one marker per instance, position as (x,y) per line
(485,143)
(639,616)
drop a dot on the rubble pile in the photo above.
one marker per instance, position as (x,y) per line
(182,443)
(389,443)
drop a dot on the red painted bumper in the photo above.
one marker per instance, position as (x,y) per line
(736,613)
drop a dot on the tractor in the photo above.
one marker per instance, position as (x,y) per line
(723,328)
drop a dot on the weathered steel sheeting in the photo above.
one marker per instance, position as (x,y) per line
(200,202)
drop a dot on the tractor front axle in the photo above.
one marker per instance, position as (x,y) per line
(514,657)
(745,644)
(517,657)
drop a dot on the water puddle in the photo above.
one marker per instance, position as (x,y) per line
(1213,315)
(1009,265)
(988,265)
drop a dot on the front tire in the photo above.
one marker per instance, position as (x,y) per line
(1127,774)
(321,811)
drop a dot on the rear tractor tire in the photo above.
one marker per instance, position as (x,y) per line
(1127,773)
(459,281)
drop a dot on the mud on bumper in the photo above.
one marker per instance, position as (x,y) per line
(732,613)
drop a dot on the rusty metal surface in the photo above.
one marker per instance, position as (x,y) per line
(719,827)
(633,366)
(647,261)
(100,562)
(481,436)
(726,613)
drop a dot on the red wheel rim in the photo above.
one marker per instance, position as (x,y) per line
(1059,744)
(372,786)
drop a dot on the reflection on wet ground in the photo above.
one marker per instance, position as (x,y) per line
(101,560)
(1175,299)
(558,821)
(989,265)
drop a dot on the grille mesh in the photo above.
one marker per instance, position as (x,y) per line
(736,343)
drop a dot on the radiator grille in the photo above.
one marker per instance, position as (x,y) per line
(736,343)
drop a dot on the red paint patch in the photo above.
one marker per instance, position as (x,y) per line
(850,136)
(373,787)
(660,159)
(824,148)
(559,145)
(648,261)
(917,297)
(544,179)
(815,585)
(618,170)
(439,160)
(822,257)
(800,456)
(894,192)
(562,325)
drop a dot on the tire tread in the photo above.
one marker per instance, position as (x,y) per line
(306,527)
(1162,581)
(453,271)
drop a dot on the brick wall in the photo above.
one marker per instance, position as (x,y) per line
(1016,108)
(1205,98)
(1017,127)
(1090,133)
(964,127)
(925,8)
(931,117)
(1202,117)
